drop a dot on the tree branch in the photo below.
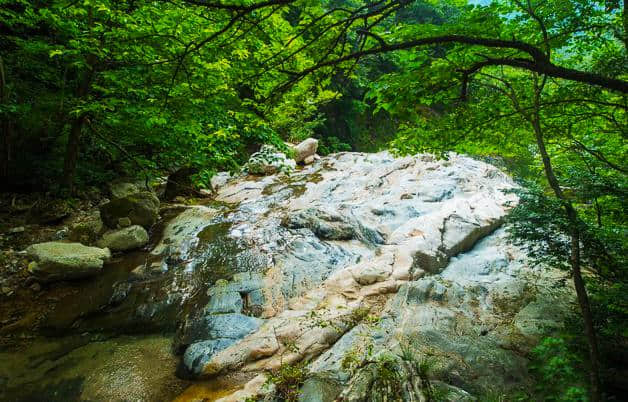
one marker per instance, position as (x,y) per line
(538,63)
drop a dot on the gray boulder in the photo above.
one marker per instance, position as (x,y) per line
(317,389)
(141,208)
(124,239)
(59,261)
(213,333)
(220,179)
(305,149)
(198,354)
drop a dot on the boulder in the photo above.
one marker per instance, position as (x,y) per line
(198,354)
(141,208)
(127,238)
(121,189)
(180,183)
(59,261)
(316,389)
(305,149)
(87,230)
(219,331)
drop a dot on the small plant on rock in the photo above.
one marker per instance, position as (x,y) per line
(288,379)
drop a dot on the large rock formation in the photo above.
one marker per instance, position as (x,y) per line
(359,263)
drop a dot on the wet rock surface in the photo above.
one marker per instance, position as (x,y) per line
(350,261)
(413,242)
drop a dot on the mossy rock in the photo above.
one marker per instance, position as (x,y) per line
(60,261)
(128,238)
(86,231)
(141,208)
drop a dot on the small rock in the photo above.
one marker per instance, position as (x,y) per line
(220,179)
(124,222)
(268,161)
(309,160)
(139,271)
(124,239)
(17,229)
(35,287)
(157,267)
(62,233)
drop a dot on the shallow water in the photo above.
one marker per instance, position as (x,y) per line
(80,368)
(110,338)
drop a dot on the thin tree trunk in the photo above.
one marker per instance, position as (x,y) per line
(5,131)
(574,258)
(74,139)
(72,152)
(598,213)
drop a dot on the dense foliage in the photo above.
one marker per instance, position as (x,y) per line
(94,89)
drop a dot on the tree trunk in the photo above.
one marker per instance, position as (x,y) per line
(574,260)
(5,132)
(72,153)
(74,139)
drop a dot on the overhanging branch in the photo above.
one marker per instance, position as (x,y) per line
(538,62)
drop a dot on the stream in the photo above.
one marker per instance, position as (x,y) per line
(111,337)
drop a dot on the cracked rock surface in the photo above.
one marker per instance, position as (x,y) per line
(358,256)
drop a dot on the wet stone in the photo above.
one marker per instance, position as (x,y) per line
(225,302)
(199,354)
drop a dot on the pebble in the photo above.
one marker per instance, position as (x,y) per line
(62,234)
(17,229)
(35,287)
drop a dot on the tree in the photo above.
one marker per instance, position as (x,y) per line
(142,87)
